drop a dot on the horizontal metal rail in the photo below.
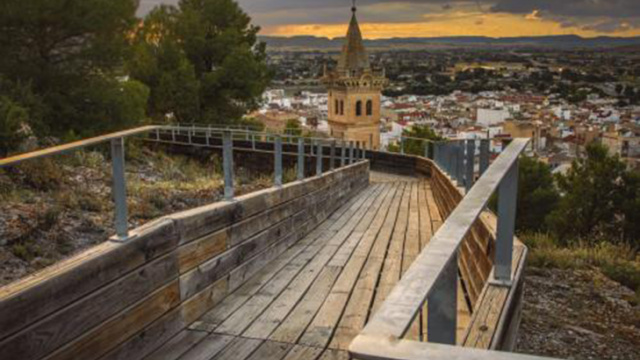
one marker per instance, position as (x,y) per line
(228,138)
(433,276)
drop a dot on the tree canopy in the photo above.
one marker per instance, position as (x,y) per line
(202,61)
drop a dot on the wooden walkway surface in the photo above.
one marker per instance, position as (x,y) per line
(310,302)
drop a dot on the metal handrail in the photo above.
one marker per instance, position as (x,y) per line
(433,277)
(348,156)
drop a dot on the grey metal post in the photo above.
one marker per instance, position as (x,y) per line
(402,145)
(247,133)
(351,152)
(343,156)
(436,153)
(442,306)
(173,134)
(471,162)
(453,159)
(278,161)
(333,155)
(157,134)
(460,169)
(357,151)
(484,155)
(227,157)
(208,137)
(189,135)
(507,201)
(253,141)
(371,142)
(119,188)
(319,159)
(300,158)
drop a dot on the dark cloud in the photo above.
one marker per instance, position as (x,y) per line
(572,8)
(598,15)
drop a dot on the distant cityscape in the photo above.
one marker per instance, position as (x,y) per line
(561,98)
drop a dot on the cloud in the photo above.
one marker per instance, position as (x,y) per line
(584,16)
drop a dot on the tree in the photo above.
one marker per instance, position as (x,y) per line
(293,127)
(159,62)
(592,197)
(414,146)
(537,195)
(203,47)
(69,51)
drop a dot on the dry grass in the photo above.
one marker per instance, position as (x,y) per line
(620,263)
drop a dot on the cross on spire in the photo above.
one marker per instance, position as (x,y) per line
(354,8)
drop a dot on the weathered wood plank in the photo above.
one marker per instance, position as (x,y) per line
(209,347)
(41,294)
(238,349)
(178,345)
(271,350)
(357,309)
(331,354)
(411,251)
(297,254)
(280,308)
(321,329)
(99,341)
(299,352)
(74,320)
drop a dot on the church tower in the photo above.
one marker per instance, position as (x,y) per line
(355,92)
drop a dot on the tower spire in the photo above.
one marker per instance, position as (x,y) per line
(354,8)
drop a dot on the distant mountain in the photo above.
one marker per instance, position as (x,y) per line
(559,41)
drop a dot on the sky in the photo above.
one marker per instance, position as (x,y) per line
(436,18)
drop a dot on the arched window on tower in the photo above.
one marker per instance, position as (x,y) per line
(341,107)
(358,108)
(337,107)
(369,107)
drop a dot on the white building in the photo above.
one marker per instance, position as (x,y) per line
(491,117)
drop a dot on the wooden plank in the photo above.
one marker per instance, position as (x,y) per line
(392,268)
(238,349)
(321,329)
(197,252)
(209,347)
(299,253)
(271,350)
(295,323)
(97,342)
(78,318)
(299,352)
(28,300)
(197,305)
(357,309)
(208,272)
(280,308)
(178,345)
(331,354)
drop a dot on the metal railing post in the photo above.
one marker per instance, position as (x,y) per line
(119,188)
(371,142)
(301,159)
(484,155)
(227,157)
(426,149)
(173,134)
(157,134)
(278,160)
(319,159)
(253,142)
(436,153)
(343,154)
(471,163)
(333,155)
(189,135)
(442,306)
(351,152)
(507,203)
(402,145)
(460,163)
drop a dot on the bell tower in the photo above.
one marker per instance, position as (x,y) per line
(355,92)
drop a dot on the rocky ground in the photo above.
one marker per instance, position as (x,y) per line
(578,314)
(52,209)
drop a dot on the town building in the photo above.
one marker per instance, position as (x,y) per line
(355,93)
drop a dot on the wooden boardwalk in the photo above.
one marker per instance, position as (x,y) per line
(310,302)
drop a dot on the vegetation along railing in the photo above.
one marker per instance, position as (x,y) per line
(433,276)
(227,137)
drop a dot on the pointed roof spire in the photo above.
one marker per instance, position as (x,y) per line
(354,58)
